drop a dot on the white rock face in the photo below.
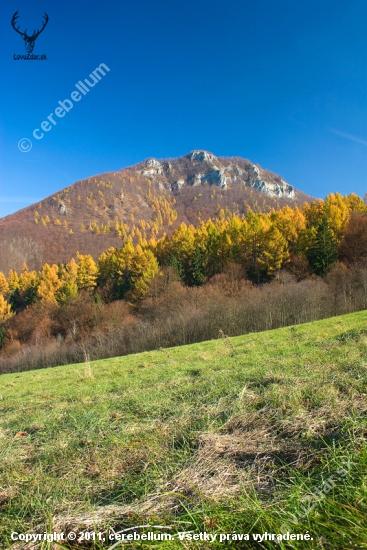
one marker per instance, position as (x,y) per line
(176,186)
(272,189)
(201,156)
(216,177)
(238,171)
(154,168)
(62,209)
(152,172)
(261,186)
(153,162)
(288,189)
(209,169)
(197,180)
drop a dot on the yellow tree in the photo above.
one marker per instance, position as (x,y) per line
(180,250)
(5,310)
(290,222)
(313,212)
(13,280)
(121,267)
(26,278)
(125,257)
(236,229)
(144,267)
(356,204)
(338,213)
(87,273)
(71,270)
(108,265)
(28,283)
(4,287)
(182,241)
(49,283)
(69,288)
(275,250)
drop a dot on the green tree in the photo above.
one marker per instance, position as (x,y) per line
(2,336)
(67,292)
(197,268)
(176,265)
(324,249)
(124,272)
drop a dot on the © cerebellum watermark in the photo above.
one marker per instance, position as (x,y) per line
(25,144)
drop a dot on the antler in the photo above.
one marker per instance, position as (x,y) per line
(36,33)
(24,34)
(14,18)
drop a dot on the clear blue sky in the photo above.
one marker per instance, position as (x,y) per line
(281,82)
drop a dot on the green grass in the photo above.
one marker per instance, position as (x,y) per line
(222,436)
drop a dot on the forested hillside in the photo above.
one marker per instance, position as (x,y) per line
(232,273)
(143,201)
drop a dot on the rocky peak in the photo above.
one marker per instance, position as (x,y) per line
(153,162)
(201,156)
(152,167)
(200,167)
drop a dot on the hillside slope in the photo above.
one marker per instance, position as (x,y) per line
(253,434)
(145,200)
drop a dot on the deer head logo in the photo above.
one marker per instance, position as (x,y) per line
(29,41)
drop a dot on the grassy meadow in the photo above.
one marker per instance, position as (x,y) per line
(247,434)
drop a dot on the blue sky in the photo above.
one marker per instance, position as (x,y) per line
(282,83)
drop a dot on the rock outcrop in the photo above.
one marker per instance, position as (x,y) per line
(153,167)
(62,209)
(202,168)
(216,177)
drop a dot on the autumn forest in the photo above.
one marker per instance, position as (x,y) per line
(228,275)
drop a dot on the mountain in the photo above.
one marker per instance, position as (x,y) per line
(145,200)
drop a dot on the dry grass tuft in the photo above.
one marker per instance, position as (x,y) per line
(87,373)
